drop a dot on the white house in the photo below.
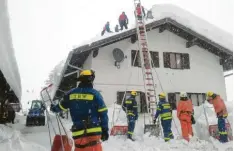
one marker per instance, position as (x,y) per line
(189,55)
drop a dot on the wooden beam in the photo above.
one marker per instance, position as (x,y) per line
(191,43)
(133,39)
(227,75)
(162,29)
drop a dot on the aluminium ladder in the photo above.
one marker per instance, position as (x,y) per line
(149,85)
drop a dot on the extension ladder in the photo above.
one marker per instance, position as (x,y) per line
(149,85)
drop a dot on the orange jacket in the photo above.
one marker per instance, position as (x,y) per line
(185,110)
(219,106)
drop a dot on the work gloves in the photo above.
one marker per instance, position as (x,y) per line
(105,135)
(54,108)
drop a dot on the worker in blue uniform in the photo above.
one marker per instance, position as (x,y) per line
(130,108)
(88,113)
(165,112)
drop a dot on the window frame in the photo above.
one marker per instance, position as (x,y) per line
(138,59)
(184,62)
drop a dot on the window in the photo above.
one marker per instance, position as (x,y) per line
(176,60)
(136,60)
(196,98)
(155,59)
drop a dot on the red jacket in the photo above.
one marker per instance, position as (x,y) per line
(122,17)
(219,106)
(185,110)
(138,10)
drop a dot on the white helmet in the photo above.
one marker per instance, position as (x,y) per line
(183,95)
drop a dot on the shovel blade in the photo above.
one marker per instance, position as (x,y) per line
(153,129)
(119,130)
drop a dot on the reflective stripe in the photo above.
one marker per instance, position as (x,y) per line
(166,107)
(102,109)
(130,132)
(225,115)
(61,107)
(89,130)
(170,134)
(167,138)
(166,118)
(128,102)
(223,133)
(131,114)
(166,114)
(158,109)
(80,96)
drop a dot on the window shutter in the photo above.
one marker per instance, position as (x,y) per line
(155,59)
(137,60)
(185,61)
(132,57)
(172,100)
(166,59)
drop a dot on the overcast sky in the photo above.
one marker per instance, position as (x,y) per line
(44,31)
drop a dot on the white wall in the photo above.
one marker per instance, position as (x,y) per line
(205,73)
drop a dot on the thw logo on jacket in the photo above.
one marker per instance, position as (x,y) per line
(88,111)
(164,110)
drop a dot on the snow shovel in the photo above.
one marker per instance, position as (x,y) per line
(213,129)
(119,130)
(214,132)
(153,129)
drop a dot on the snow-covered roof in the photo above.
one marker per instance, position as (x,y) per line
(8,64)
(187,19)
(210,37)
(193,22)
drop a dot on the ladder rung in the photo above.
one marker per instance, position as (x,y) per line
(151,96)
(149,78)
(149,84)
(148,72)
(152,101)
(150,89)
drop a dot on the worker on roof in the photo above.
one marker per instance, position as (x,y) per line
(123,21)
(138,12)
(185,115)
(106,28)
(221,111)
(165,112)
(117,28)
(130,108)
(88,112)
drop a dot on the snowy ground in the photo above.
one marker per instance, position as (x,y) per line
(17,137)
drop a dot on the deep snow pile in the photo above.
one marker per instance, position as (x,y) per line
(17,137)
(8,64)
